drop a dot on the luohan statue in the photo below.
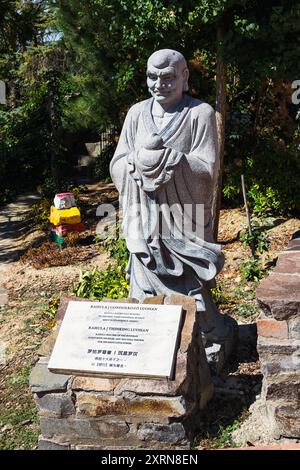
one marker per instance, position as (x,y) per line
(165,169)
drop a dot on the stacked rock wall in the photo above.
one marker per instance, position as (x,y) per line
(279,343)
(82,412)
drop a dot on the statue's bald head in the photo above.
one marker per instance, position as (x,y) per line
(164,58)
(167,77)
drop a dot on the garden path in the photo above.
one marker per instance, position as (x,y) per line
(12,226)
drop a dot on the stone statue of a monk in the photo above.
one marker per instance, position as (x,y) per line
(167,158)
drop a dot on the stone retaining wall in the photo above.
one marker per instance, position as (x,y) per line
(79,412)
(279,343)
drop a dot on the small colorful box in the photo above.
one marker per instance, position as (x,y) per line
(63,230)
(55,238)
(64,216)
(64,201)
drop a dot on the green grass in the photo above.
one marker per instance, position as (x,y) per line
(19,439)
(18,416)
(239,301)
(20,378)
(216,432)
(224,439)
(247,309)
(19,423)
(245,292)
(220,295)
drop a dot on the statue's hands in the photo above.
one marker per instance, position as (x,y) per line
(153,142)
(150,158)
(152,151)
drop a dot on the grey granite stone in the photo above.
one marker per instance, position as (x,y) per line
(165,387)
(282,386)
(272,346)
(294,328)
(287,417)
(55,404)
(45,444)
(274,365)
(48,344)
(42,380)
(113,428)
(173,433)
(70,429)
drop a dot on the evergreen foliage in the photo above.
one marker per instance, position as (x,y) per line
(112,39)
(76,66)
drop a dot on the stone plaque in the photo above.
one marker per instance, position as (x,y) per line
(104,338)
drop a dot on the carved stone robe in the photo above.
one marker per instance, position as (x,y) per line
(179,173)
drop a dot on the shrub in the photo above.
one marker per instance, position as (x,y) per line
(252,270)
(266,201)
(259,240)
(267,155)
(246,309)
(25,143)
(115,247)
(39,213)
(109,283)
(220,297)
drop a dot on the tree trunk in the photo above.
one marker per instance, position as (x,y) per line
(220,119)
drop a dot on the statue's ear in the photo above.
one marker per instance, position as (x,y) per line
(186,75)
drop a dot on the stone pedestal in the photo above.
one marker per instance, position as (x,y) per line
(79,412)
(279,343)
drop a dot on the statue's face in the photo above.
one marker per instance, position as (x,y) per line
(165,81)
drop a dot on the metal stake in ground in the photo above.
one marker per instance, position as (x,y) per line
(247,214)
